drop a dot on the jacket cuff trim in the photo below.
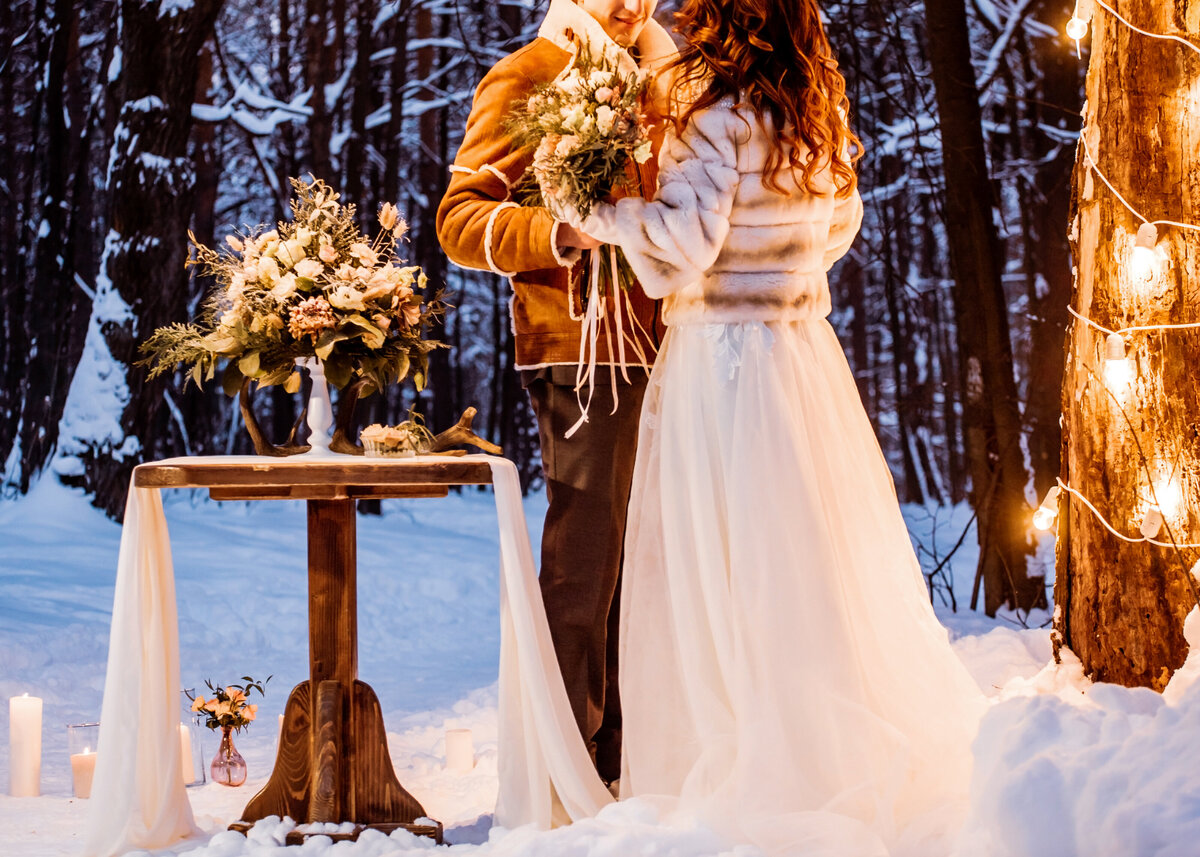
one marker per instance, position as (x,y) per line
(564,260)
(487,238)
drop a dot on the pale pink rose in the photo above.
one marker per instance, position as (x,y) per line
(412,313)
(605,94)
(309,268)
(402,291)
(382,321)
(364,253)
(566,145)
(327,254)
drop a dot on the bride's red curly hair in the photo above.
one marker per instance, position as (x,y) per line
(774,56)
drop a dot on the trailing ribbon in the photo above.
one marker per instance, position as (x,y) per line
(594,318)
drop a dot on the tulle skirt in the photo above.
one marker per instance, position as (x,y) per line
(783,676)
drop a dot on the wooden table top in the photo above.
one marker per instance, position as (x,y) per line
(334,477)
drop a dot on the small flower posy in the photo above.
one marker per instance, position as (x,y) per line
(229,706)
(311,287)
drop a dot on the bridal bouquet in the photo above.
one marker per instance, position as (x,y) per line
(584,129)
(312,287)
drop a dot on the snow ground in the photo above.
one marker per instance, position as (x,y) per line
(1063,768)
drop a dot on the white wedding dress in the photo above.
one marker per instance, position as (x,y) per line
(783,676)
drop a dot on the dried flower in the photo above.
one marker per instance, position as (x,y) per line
(310,317)
(327,254)
(388,216)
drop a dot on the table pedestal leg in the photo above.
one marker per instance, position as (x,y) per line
(333,762)
(345,774)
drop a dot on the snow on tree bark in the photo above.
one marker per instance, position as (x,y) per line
(143,283)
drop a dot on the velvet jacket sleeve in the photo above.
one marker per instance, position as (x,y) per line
(477,223)
(672,240)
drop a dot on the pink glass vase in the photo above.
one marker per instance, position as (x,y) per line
(228,767)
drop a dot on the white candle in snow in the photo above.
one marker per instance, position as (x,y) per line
(83,767)
(25,746)
(460,750)
(187,765)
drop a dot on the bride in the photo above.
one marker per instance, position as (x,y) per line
(783,676)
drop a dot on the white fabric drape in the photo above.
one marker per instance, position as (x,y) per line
(138,798)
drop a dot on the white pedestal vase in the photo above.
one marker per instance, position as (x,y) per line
(320,409)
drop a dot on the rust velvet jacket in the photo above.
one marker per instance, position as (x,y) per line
(480,227)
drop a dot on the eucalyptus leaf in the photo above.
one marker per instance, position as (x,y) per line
(231,381)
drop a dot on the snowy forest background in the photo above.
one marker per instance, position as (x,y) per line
(124,123)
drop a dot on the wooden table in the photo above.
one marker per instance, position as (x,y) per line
(333,763)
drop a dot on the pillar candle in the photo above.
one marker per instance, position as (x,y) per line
(187,765)
(460,750)
(83,766)
(25,746)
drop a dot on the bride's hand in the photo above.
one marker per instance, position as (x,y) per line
(569,237)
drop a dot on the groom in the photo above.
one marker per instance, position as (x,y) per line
(587,475)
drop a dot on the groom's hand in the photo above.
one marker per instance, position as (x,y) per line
(569,237)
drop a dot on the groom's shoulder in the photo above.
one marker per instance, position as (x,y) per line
(538,62)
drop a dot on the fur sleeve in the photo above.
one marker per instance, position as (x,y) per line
(847,217)
(672,240)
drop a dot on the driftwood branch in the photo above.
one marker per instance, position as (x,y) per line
(461,433)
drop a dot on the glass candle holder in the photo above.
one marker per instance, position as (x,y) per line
(82,740)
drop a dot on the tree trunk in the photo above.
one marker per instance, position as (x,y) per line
(46,319)
(1128,446)
(319,57)
(143,283)
(991,415)
(1046,245)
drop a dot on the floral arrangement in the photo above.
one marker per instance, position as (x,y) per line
(584,128)
(229,707)
(312,287)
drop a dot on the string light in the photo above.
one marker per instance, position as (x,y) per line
(1043,518)
(1142,259)
(1083,15)
(1144,538)
(1077,27)
(1152,523)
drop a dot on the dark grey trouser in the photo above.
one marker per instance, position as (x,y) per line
(587,484)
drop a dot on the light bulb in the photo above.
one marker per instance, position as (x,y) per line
(1077,29)
(1152,522)
(1143,258)
(1114,347)
(1118,368)
(1043,518)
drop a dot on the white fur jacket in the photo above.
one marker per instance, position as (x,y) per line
(719,245)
